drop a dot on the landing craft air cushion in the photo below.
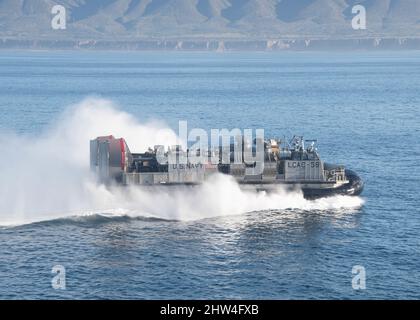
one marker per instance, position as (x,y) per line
(287,164)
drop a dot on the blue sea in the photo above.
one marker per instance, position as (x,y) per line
(214,242)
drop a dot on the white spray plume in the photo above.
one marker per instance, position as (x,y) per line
(47,176)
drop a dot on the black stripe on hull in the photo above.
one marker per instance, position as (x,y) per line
(353,188)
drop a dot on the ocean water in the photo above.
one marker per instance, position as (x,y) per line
(214,241)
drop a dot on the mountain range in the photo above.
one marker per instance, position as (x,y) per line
(175,23)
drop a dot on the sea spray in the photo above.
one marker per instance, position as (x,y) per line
(220,195)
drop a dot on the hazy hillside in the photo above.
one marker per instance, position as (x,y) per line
(219,20)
